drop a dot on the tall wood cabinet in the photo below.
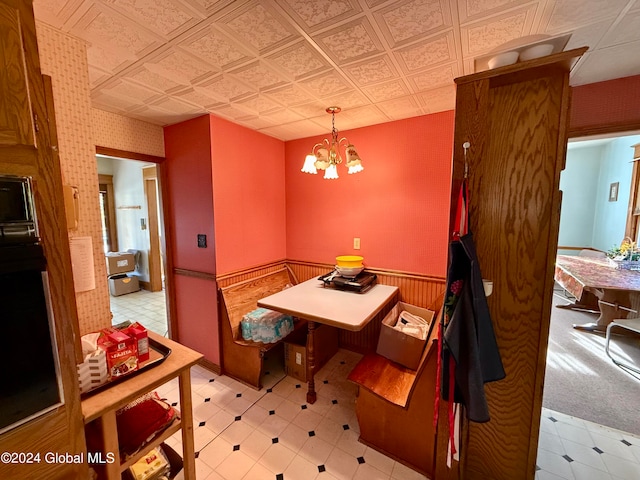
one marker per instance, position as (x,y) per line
(515,119)
(28,148)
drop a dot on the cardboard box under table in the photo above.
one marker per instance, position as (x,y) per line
(295,350)
(398,346)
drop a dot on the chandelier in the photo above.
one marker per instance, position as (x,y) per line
(326,154)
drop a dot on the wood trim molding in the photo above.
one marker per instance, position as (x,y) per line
(114,152)
(194,274)
(392,273)
(607,128)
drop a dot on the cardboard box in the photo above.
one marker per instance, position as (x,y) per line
(121,351)
(120,262)
(398,346)
(295,350)
(123,284)
(139,333)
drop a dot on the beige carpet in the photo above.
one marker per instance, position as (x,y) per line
(582,381)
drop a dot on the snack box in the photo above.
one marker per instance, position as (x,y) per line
(139,333)
(121,351)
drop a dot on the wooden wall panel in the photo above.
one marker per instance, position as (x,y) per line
(246,274)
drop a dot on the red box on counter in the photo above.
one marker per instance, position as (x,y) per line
(121,352)
(139,333)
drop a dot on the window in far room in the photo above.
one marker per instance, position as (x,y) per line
(633,214)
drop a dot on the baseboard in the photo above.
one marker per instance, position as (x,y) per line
(210,366)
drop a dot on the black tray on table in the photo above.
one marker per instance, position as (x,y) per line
(157,354)
(361,283)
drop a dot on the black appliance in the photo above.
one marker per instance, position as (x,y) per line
(361,283)
(17,218)
(30,383)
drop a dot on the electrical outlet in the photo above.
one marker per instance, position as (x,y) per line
(202,240)
(356,243)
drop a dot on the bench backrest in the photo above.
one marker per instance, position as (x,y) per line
(242,297)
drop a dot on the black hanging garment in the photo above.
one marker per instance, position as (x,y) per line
(467,347)
(469,339)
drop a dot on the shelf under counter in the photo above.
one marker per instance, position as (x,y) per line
(102,406)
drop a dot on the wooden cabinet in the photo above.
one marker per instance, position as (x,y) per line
(20,70)
(101,408)
(515,119)
(23,98)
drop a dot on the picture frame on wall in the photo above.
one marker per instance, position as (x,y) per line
(613,192)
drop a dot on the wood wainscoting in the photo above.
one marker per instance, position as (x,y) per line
(417,289)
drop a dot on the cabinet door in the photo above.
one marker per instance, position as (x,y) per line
(16,118)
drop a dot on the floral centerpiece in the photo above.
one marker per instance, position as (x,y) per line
(625,256)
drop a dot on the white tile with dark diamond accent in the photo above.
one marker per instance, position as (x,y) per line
(274,434)
(572,448)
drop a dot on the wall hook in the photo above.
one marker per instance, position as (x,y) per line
(466,146)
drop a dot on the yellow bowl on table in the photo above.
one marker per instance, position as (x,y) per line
(349,261)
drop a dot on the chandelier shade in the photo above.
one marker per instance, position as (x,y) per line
(326,155)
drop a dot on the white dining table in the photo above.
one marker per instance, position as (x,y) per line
(317,303)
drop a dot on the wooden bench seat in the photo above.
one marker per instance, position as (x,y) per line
(395,406)
(243,359)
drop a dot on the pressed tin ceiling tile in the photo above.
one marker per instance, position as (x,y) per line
(215,48)
(428,54)
(260,26)
(350,42)
(480,37)
(381,59)
(410,20)
(325,84)
(386,91)
(164,17)
(258,74)
(317,14)
(299,60)
(258,104)
(371,71)
(433,78)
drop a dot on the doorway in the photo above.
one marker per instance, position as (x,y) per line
(132,223)
(588,402)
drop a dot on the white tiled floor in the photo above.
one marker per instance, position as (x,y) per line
(575,449)
(148,308)
(244,434)
(272,434)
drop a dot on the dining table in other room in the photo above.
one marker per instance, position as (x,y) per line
(317,303)
(617,290)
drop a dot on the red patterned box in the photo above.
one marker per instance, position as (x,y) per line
(121,351)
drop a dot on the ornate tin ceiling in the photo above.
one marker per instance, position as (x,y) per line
(274,66)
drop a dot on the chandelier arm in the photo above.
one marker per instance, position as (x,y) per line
(313,150)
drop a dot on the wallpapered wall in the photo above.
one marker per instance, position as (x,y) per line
(80,128)
(115,131)
(64,58)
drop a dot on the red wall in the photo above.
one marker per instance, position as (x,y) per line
(190,205)
(398,206)
(188,160)
(249,196)
(612,102)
